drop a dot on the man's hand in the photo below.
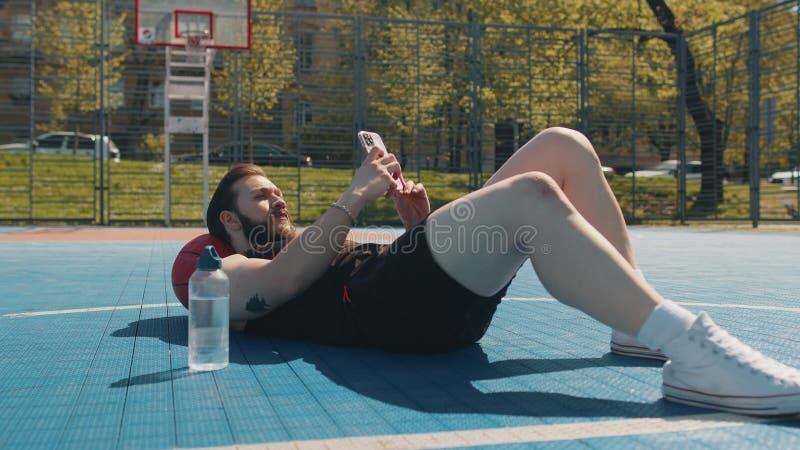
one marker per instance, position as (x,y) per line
(375,176)
(412,203)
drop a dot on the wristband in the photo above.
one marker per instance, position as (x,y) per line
(346,211)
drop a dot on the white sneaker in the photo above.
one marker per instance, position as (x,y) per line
(627,345)
(711,369)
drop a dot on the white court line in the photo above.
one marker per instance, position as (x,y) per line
(710,305)
(517,299)
(731,305)
(80,310)
(159,305)
(511,435)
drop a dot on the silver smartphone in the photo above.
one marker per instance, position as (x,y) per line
(369,140)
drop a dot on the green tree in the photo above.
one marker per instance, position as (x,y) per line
(426,72)
(253,81)
(67,43)
(406,77)
(529,75)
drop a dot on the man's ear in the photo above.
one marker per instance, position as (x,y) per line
(230,221)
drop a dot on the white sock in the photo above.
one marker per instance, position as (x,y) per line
(664,324)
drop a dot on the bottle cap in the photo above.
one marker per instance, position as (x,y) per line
(209,260)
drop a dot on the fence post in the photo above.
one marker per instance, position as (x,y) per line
(682,125)
(753,86)
(634,123)
(474,130)
(101,94)
(299,108)
(418,127)
(583,82)
(360,114)
(237,135)
(31,108)
(359,84)
(167,144)
(797,100)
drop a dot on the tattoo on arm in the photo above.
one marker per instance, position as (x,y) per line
(256,304)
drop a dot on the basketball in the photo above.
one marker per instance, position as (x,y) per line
(186,263)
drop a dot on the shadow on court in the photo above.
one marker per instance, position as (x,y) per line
(441,383)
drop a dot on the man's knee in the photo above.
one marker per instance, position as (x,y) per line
(538,184)
(566,139)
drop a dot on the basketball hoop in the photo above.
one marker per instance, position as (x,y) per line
(191,32)
(195,46)
(224,24)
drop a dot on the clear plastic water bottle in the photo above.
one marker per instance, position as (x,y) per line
(209,309)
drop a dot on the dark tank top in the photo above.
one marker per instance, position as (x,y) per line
(318,314)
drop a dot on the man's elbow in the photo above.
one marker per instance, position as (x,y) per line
(284,288)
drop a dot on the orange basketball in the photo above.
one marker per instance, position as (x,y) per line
(186,263)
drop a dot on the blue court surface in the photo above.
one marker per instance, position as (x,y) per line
(93,355)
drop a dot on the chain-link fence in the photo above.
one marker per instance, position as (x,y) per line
(702,126)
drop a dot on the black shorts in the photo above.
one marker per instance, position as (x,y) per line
(399,299)
(405,302)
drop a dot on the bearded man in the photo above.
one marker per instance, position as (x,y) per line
(436,288)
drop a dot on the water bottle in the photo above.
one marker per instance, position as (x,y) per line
(209,309)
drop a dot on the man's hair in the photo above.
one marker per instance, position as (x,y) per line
(224,198)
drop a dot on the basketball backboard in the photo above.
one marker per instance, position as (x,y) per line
(216,23)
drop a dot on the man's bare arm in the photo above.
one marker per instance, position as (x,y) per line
(259,286)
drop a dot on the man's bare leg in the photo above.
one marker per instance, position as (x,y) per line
(582,269)
(707,366)
(569,158)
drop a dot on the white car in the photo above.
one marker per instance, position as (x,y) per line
(669,169)
(63,143)
(785,177)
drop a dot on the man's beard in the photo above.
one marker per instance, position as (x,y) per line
(268,238)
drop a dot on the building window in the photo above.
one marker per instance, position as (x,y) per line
(20,90)
(116,95)
(155,95)
(303,114)
(304,50)
(21,29)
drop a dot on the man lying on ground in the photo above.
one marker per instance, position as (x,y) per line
(437,286)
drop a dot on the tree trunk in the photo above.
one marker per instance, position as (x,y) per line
(663,139)
(709,128)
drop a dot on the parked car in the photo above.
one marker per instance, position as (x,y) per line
(785,177)
(63,143)
(669,168)
(263,154)
(608,172)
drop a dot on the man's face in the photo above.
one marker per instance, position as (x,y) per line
(262,211)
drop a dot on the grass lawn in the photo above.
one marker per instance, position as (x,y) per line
(656,198)
(63,188)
